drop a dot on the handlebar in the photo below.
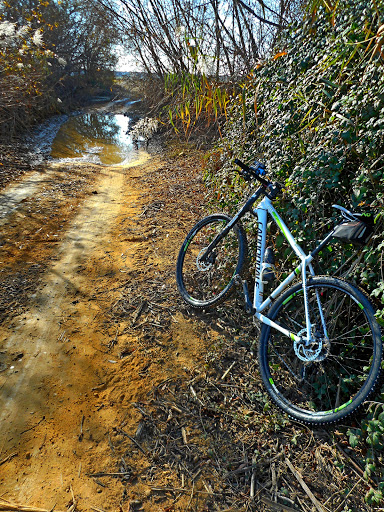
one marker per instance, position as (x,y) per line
(253,171)
(271,190)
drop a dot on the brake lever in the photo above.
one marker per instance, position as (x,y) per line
(246,176)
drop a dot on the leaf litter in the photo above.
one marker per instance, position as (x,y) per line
(204,435)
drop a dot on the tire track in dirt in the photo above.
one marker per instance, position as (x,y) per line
(12,197)
(49,410)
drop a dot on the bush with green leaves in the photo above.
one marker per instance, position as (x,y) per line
(368,442)
(314,113)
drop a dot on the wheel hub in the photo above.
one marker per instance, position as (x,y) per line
(205,265)
(317,350)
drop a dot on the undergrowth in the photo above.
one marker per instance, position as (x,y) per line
(315,115)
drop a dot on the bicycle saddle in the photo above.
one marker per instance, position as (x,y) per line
(348,215)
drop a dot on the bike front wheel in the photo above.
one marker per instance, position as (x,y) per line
(330,379)
(206,279)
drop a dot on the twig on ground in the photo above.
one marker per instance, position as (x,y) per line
(191,497)
(253,478)
(34,426)
(80,438)
(195,395)
(97,475)
(120,431)
(277,506)
(72,508)
(138,312)
(229,369)
(112,343)
(356,468)
(9,457)
(9,507)
(180,489)
(304,486)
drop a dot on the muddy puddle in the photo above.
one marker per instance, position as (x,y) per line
(94,137)
(98,135)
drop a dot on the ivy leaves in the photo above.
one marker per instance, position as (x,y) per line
(316,116)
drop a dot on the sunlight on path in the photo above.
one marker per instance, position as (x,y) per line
(57,369)
(13,195)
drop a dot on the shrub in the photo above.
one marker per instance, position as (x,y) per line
(315,114)
(24,68)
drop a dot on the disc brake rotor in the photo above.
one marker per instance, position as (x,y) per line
(307,353)
(203,266)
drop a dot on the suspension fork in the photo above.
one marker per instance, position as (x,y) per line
(306,303)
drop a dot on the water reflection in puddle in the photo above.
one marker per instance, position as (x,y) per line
(94,137)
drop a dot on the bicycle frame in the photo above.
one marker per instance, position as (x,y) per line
(264,208)
(320,347)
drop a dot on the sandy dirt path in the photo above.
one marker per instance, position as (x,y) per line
(91,329)
(114,396)
(56,358)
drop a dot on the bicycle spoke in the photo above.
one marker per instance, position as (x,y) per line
(336,370)
(205,272)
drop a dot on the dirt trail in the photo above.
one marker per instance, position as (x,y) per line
(55,356)
(113,395)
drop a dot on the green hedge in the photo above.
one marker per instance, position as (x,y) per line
(315,115)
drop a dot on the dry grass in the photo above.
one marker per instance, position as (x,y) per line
(211,439)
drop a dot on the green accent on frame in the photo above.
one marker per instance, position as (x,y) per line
(279,223)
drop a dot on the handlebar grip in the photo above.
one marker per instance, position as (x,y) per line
(242,165)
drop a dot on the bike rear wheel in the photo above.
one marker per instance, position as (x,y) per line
(330,379)
(206,282)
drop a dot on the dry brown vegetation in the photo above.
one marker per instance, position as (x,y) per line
(176,419)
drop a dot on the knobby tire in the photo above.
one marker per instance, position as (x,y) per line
(344,374)
(203,284)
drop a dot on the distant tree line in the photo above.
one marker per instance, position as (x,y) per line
(52,53)
(196,52)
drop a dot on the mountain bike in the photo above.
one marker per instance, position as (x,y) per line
(320,347)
